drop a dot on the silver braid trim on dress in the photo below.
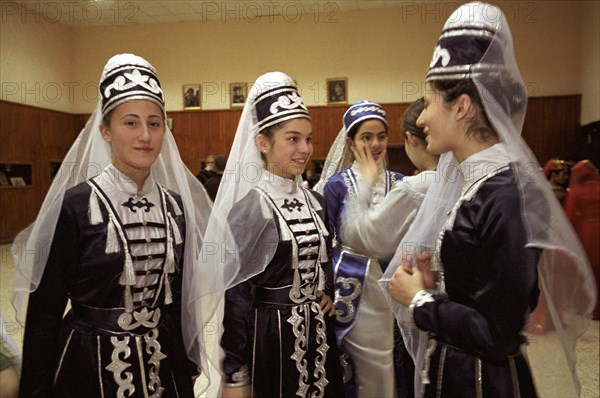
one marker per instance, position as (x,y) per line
(153,348)
(129,321)
(347,283)
(300,327)
(298,323)
(321,358)
(118,366)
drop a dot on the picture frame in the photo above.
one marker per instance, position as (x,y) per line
(17,181)
(337,90)
(238,92)
(192,94)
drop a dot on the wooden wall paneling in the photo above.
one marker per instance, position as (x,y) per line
(550,127)
(326,123)
(18,125)
(37,136)
(18,132)
(57,133)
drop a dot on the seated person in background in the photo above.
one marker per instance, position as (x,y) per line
(212,184)
(557,172)
(208,171)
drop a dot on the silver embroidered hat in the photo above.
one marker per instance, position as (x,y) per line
(465,39)
(127,77)
(276,99)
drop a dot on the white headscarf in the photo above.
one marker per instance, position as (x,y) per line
(463,53)
(125,77)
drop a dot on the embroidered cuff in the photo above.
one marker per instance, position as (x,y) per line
(238,379)
(418,300)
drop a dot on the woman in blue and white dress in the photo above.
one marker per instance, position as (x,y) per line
(364,325)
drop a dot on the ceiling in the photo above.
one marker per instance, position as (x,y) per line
(89,13)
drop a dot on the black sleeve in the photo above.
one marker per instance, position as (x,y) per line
(41,348)
(235,339)
(328,266)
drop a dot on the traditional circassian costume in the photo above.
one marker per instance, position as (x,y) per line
(497,233)
(272,250)
(364,327)
(119,255)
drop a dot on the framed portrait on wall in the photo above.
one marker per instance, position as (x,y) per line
(337,90)
(191,96)
(239,93)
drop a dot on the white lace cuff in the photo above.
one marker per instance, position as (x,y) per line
(418,300)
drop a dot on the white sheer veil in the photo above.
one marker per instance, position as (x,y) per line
(565,278)
(338,158)
(86,158)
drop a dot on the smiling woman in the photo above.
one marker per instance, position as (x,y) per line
(361,310)
(287,147)
(135,132)
(119,245)
(277,333)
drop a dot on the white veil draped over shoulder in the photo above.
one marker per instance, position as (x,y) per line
(86,158)
(565,278)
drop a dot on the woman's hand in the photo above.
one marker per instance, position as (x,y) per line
(326,303)
(406,282)
(9,383)
(237,392)
(368,167)
(423,263)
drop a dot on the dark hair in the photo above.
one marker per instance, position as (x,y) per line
(220,162)
(106,118)
(452,89)
(410,116)
(269,133)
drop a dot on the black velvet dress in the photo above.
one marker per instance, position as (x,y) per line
(491,284)
(275,335)
(99,349)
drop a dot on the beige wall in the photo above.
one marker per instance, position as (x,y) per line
(384,53)
(36,55)
(590,62)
